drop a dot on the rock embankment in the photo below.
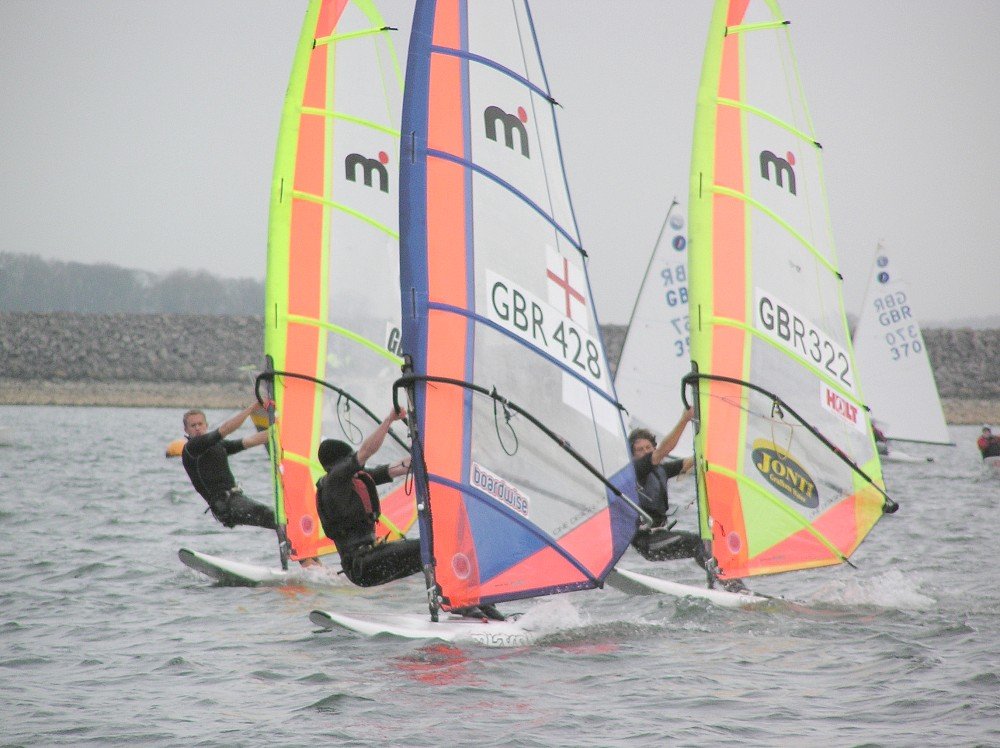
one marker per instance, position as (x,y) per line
(208,360)
(63,346)
(177,360)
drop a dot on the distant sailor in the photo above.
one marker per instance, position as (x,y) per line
(206,460)
(989,445)
(652,471)
(881,441)
(347,502)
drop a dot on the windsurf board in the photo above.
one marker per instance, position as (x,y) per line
(634,583)
(240,574)
(449,628)
(233,573)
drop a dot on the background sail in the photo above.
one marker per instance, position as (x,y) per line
(767,312)
(899,383)
(332,295)
(495,293)
(656,353)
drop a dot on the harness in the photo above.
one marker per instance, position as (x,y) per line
(366,493)
(222,497)
(361,491)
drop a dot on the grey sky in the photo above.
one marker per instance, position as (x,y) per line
(142,133)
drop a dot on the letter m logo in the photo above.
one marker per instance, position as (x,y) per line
(369,166)
(782,168)
(511,123)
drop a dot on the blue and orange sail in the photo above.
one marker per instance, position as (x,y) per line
(331,318)
(515,428)
(788,475)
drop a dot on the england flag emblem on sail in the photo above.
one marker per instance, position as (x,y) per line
(566,287)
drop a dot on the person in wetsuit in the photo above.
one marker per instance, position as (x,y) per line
(206,460)
(653,469)
(989,445)
(347,502)
(881,441)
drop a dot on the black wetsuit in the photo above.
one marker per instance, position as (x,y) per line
(350,523)
(206,459)
(659,543)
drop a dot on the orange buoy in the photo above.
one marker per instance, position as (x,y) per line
(175,447)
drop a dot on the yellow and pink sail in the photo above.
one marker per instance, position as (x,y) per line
(517,437)
(331,318)
(788,475)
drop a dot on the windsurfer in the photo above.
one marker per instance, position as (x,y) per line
(989,445)
(206,459)
(653,469)
(348,506)
(881,442)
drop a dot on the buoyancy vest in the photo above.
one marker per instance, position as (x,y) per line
(989,446)
(349,510)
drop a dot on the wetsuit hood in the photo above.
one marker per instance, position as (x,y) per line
(332,450)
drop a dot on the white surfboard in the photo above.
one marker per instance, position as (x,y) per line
(239,574)
(226,571)
(449,628)
(634,583)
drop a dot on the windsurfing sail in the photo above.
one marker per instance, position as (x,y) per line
(787,472)
(331,322)
(656,353)
(514,424)
(900,390)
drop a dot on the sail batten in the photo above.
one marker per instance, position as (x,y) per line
(809,247)
(334,38)
(343,117)
(510,188)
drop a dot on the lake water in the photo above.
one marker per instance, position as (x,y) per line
(105,638)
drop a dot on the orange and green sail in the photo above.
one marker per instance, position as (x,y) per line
(331,318)
(788,474)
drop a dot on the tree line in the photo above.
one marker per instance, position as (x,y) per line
(30,284)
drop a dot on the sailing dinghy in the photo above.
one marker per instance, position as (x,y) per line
(893,362)
(656,352)
(787,473)
(519,450)
(331,322)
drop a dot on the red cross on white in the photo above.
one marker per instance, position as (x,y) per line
(566,286)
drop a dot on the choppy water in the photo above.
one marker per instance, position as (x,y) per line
(106,638)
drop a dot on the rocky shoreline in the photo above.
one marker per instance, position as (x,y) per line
(208,361)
